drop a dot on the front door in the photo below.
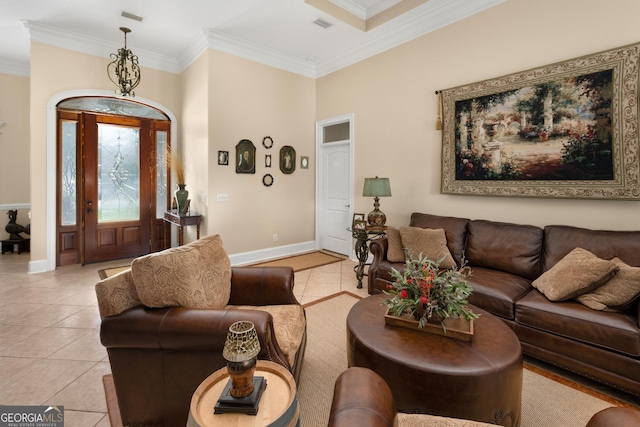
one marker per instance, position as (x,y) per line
(117,188)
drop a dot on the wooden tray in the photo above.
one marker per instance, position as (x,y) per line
(459,328)
(278,406)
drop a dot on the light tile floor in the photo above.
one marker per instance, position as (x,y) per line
(50,351)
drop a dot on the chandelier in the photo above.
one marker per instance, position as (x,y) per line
(124,71)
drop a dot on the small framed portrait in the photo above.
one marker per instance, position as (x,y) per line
(287,159)
(267,160)
(359,222)
(304,162)
(245,157)
(223,158)
(267,142)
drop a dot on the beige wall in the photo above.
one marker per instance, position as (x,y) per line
(393,98)
(194,138)
(14,149)
(250,101)
(54,71)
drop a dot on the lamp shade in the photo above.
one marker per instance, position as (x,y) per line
(376,187)
(242,342)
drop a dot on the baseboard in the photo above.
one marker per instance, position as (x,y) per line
(271,253)
(39,266)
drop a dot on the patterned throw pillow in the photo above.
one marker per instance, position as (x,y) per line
(395,252)
(196,275)
(577,273)
(619,293)
(431,243)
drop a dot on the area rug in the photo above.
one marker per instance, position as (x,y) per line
(108,272)
(547,399)
(304,261)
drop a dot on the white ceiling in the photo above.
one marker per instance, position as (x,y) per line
(173,33)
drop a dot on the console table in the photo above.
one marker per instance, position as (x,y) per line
(183,220)
(362,248)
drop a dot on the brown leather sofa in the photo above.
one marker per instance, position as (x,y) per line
(159,356)
(505,258)
(362,398)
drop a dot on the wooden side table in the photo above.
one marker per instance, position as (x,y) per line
(278,406)
(362,247)
(182,220)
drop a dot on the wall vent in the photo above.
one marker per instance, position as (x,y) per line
(131,16)
(322,23)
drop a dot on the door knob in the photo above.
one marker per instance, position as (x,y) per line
(89,203)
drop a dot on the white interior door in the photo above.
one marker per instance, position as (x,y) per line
(335,184)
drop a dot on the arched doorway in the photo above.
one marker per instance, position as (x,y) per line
(112,179)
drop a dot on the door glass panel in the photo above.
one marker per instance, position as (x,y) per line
(118,173)
(68,214)
(161,173)
(121,107)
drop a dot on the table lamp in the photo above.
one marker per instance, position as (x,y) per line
(376,187)
(241,350)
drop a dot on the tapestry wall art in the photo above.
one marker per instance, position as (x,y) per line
(567,130)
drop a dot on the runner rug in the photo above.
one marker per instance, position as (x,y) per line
(547,399)
(297,262)
(304,261)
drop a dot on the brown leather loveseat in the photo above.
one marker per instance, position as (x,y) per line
(506,258)
(160,355)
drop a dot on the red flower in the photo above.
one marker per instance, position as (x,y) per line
(424,300)
(404,294)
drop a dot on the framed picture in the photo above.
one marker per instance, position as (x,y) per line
(267,160)
(358,220)
(287,159)
(245,157)
(223,158)
(304,162)
(567,130)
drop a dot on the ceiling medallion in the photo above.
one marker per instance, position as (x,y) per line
(124,71)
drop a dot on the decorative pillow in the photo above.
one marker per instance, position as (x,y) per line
(577,273)
(116,294)
(619,293)
(196,275)
(431,243)
(395,253)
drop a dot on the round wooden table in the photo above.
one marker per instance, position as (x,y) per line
(478,380)
(278,405)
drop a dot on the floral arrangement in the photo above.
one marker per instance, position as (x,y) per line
(425,292)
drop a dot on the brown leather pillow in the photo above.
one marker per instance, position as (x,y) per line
(619,293)
(196,275)
(395,252)
(431,243)
(577,273)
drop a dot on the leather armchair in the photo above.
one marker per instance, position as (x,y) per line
(159,356)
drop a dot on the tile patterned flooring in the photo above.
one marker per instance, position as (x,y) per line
(50,350)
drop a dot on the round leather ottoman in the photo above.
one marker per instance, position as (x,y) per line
(479,380)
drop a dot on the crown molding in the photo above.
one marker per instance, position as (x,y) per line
(434,15)
(16,68)
(52,36)
(251,51)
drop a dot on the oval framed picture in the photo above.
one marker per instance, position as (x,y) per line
(267,142)
(267,180)
(287,159)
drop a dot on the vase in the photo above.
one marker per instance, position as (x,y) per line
(458,328)
(181,196)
